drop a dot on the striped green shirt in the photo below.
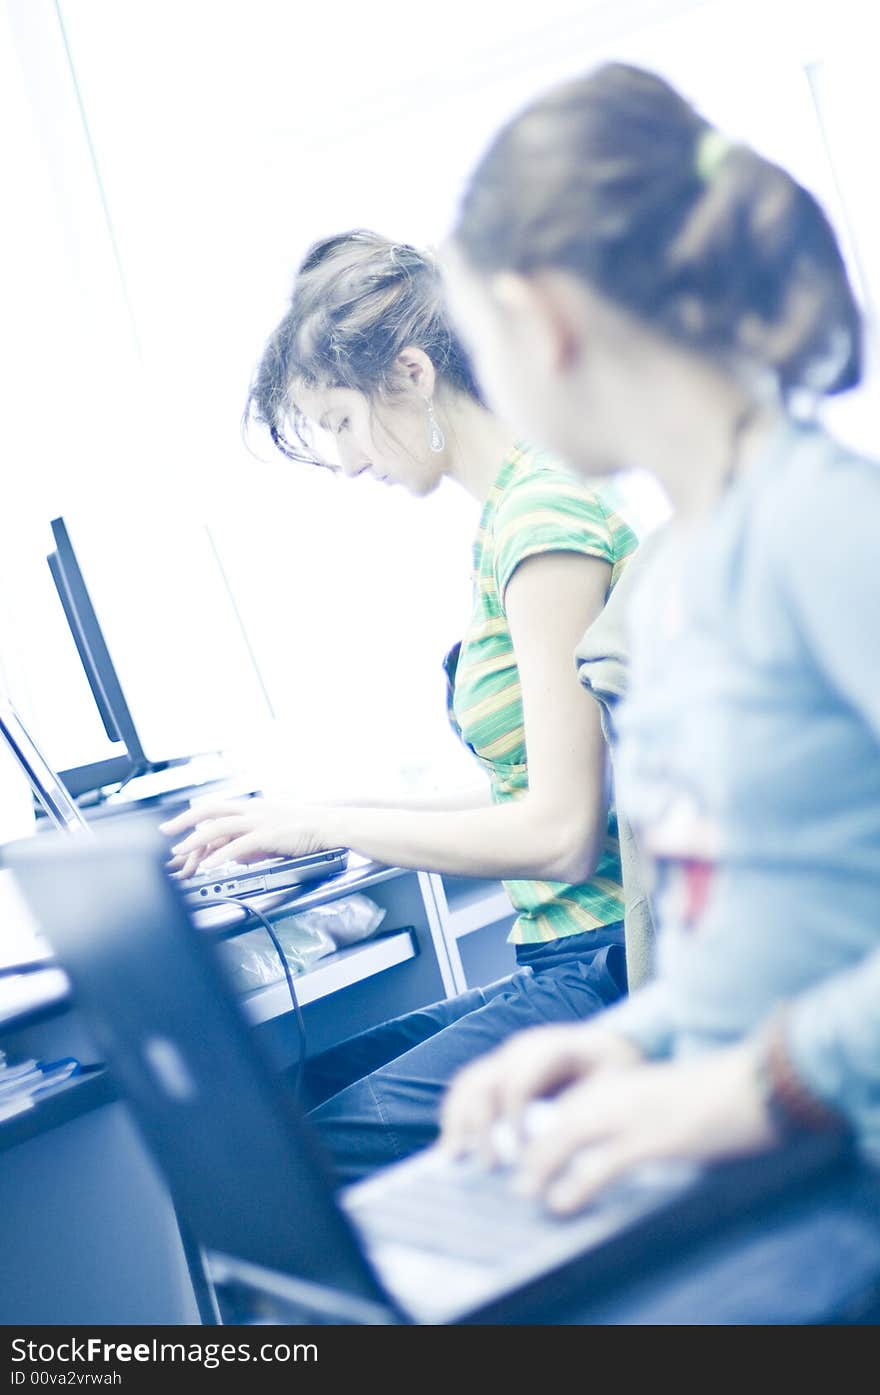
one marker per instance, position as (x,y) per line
(534,506)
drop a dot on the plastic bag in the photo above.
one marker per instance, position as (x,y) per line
(346,921)
(251,959)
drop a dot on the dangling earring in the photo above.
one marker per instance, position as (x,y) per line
(436,438)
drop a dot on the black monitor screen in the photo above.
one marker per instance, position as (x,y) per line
(91,645)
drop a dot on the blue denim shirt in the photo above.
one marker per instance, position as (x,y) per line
(749,765)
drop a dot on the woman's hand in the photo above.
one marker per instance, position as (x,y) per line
(695,1111)
(534,1063)
(244,831)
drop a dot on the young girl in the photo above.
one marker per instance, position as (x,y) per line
(636,288)
(366,352)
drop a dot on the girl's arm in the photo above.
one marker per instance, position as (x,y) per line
(477,796)
(555,831)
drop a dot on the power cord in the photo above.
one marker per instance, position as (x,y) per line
(294,1000)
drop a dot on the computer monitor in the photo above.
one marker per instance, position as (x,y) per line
(169,663)
(99,670)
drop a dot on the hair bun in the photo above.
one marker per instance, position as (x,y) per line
(358,301)
(616,178)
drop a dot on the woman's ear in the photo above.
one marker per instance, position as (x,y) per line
(414,369)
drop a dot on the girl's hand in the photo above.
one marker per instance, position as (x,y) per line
(534,1063)
(691,1111)
(243,831)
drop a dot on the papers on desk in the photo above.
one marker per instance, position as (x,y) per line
(23,1081)
(25,984)
(27,993)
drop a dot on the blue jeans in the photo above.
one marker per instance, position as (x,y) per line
(375,1098)
(808,1258)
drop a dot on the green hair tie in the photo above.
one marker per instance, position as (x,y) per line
(712,149)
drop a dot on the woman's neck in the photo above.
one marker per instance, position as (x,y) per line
(476,443)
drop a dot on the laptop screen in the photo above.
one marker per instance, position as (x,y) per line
(45,784)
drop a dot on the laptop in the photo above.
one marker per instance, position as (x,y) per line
(427,1240)
(213,887)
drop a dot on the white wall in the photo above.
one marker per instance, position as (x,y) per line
(226,138)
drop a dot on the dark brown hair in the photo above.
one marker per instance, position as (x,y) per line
(602,177)
(358,300)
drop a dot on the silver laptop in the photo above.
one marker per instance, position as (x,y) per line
(231,880)
(425,1241)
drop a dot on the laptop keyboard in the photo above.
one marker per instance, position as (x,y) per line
(475,1217)
(462,1211)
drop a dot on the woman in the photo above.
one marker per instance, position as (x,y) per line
(365,352)
(617,262)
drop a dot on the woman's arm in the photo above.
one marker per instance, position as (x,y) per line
(554,831)
(434,802)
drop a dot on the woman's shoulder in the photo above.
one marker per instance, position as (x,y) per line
(531,470)
(539,484)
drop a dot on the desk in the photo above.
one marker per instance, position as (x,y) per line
(90,1235)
